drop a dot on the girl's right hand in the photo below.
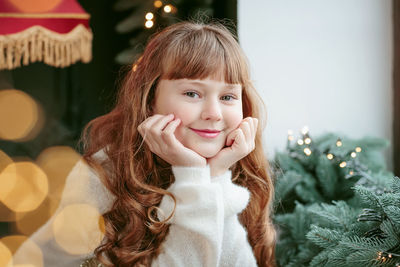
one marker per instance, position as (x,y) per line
(158,133)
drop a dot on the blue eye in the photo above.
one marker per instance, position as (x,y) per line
(191,94)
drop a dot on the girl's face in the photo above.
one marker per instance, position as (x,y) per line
(209,110)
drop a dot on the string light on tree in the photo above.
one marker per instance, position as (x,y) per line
(351,172)
(300,142)
(307,140)
(149,24)
(167,8)
(290,135)
(157,4)
(339,143)
(358,149)
(343,164)
(149,16)
(305,130)
(307,151)
(353,154)
(329,156)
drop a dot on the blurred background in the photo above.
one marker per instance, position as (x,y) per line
(329,66)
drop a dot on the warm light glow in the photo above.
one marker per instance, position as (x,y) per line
(167,8)
(57,162)
(20,118)
(339,143)
(304,130)
(358,149)
(149,16)
(353,154)
(37,6)
(4,161)
(307,151)
(307,140)
(134,67)
(24,186)
(351,172)
(157,4)
(149,24)
(5,255)
(343,164)
(78,229)
(329,156)
(300,142)
(14,242)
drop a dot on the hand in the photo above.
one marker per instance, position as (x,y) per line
(158,133)
(239,142)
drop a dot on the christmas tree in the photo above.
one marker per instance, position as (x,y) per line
(322,186)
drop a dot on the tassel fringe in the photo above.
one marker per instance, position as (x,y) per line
(40,44)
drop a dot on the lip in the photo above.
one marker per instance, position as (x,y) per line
(206,133)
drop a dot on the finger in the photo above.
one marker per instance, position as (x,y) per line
(231,137)
(168,134)
(147,123)
(245,127)
(255,123)
(250,120)
(161,123)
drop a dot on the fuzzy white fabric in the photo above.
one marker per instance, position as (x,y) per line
(204,231)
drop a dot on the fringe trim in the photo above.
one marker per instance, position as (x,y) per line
(40,44)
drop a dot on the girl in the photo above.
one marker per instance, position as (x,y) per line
(184,180)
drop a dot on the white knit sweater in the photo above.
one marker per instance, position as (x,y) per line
(204,231)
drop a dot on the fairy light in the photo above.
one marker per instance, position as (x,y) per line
(307,140)
(339,143)
(307,151)
(358,149)
(300,142)
(157,4)
(351,172)
(305,130)
(149,24)
(343,164)
(167,8)
(149,16)
(290,135)
(329,156)
(353,154)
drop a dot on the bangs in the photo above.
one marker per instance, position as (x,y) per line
(203,53)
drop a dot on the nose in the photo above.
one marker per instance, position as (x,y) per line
(211,110)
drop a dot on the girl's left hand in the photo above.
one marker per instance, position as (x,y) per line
(239,142)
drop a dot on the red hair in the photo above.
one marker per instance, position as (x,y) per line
(139,179)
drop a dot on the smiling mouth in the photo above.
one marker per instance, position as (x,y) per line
(206,133)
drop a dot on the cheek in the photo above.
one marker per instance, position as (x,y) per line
(234,118)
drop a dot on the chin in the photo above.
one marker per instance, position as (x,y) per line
(207,153)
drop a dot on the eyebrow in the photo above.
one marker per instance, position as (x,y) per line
(226,86)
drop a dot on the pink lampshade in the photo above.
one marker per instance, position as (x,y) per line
(56,32)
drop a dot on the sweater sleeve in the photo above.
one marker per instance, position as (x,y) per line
(196,230)
(82,186)
(236,248)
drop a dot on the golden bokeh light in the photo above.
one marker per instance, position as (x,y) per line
(329,156)
(300,142)
(78,229)
(343,164)
(307,151)
(57,162)
(358,149)
(24,186)
(5,255)
(14,242)
(4,160)
(158,4)
(20,116)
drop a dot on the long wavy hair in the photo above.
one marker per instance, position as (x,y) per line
(138,178)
